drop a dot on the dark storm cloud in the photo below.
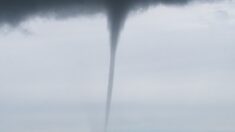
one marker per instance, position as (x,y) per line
(15,11)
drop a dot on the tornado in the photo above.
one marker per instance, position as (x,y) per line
(116,13)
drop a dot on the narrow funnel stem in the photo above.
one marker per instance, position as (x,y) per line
(110,87)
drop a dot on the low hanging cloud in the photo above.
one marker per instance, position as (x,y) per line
(15,11)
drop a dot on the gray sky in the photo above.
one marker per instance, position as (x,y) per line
(175,72)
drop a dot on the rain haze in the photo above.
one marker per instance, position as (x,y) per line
(174,69)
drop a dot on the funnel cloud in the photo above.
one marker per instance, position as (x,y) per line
(14,12)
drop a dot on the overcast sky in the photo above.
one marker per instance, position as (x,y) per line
(175,72)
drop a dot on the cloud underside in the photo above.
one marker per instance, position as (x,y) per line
(13,12)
